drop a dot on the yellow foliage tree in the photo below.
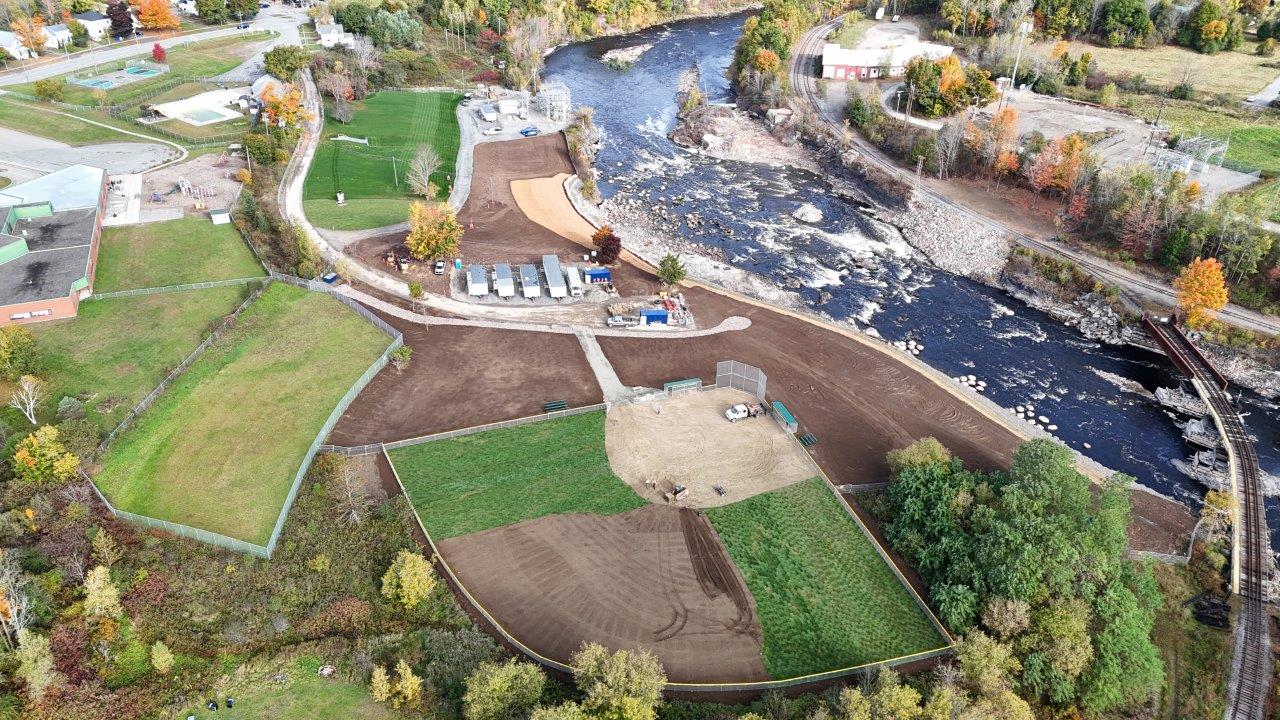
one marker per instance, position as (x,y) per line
(101,596)
(409,580)
(766,61)
(1202,290)
(951,79)
(284,107)
(380,685)
(161,658)
(408,686)
(433,231)
(157,15)
(42,459)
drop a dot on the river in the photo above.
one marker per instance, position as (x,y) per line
(853,269)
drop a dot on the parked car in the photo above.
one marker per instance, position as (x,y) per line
(243,26)
(438,268)
(741,411)
(264,6)
(529,131)
(492,131)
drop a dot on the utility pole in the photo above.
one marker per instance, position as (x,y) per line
(1024,28)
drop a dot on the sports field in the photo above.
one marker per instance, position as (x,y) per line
(177,252)
(478,482)
(372,177)
(220,448)
(116,350)
(825,598)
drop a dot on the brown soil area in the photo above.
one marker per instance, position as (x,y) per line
(495,230)
(463,376)
(686,440)
(657,577)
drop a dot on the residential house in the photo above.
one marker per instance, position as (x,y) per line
(13,48)
(332,35)
(98,25)
(57,36)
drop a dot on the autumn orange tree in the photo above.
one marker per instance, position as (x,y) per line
(1202,290)
(433,231)
(284,108)
(30,32)
(157,15)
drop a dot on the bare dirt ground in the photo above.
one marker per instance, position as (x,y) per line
(686,440)
(203,171)
(543,201)
(657,578)
(462,376)
(495,229)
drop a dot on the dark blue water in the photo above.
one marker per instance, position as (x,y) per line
(854,269)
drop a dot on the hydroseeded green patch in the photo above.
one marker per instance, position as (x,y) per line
(177,252)
(826,599)
(478,482)
(396,124)
(302,696)
(116,350)
(220,448)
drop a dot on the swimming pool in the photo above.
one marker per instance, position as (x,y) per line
(95,83)
(141,71)
(203,116)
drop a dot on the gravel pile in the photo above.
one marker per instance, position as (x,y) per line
(954,242)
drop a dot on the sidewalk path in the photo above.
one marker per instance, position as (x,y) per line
(613,389)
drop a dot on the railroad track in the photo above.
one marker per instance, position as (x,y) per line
(1251,671)
(804,87)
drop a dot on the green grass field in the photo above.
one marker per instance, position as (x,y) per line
(303,695)
(220,448)
(39,120)
(1255,143)
(172,253)
(1237,73)
(396,123)
(115,351)
(826,599)
(477,482)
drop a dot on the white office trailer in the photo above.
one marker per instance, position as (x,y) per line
(503,282)
(556,287)
(529,281)
(508,106)
(477,283)
(575,281)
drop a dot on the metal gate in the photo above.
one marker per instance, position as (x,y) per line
(741,376)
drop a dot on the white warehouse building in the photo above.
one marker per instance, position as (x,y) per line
(869,63)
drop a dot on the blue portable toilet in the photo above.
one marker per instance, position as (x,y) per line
(598,275)
(653,316)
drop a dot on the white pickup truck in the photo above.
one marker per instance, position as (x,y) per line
(741,411)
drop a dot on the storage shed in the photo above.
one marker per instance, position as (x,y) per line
(529,281)
(503,282)
(653,316)
(556,286)
(477,283)
(598,275)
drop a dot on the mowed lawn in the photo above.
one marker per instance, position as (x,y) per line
(826,599)
(177,252)
(303,695)
(500,477)
(396,123)
(220,448)
(116,350)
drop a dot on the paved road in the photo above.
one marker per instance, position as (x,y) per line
(1145,289)
(282,21)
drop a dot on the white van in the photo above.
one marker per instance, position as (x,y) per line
(575,281)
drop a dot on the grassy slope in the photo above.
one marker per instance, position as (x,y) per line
(1254,144)
(825,597)
(117,350)
(1238,73)
(396,123)
(35,121)
(473,483)
(219,449)
(172,253)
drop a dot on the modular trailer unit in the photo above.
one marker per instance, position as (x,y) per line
(503,282)
(477,283)
(529,281)
(575,281)
(556,287)
(598,275)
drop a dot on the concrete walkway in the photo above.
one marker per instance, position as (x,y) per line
(612,387)
(729,324)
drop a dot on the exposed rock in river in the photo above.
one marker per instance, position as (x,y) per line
(807,213)
(623,58)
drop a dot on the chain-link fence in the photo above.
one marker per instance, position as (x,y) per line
(741,376)
(177,288)
(223,541)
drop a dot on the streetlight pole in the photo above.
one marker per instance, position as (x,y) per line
(1024,28)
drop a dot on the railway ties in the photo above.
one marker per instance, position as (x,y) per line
(1250,679)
